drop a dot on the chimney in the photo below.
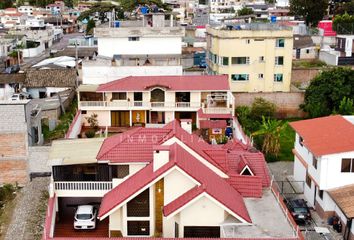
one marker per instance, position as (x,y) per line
(186,124)
(161,156)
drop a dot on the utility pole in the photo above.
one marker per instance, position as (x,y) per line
(76,62)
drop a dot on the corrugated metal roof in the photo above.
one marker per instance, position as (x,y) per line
(65,152)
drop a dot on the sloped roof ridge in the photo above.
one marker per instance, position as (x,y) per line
(121,137)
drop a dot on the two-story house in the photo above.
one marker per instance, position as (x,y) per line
(324,160)
(158,100)
(163,182)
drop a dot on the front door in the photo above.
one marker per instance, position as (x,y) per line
(120,119)
(298,51)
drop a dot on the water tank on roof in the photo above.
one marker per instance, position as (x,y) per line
(116,24)
(273,19)
(144,10)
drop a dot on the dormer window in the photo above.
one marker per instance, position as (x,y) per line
(246,171)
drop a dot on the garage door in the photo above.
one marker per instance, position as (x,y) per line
(202,232)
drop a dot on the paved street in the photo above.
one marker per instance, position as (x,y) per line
(64,42)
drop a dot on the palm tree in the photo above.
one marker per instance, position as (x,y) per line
(270,129)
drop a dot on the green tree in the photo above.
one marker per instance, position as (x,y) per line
(40,3)
(346,106)
(102,9)
(327,90)
(90,26)
(343,24)
(244,11)
(130,5)
(262,108)
(345,7)
(5,4)
(311,11)
(270,130)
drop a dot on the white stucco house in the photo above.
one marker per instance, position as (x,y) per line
(148,50)
(163,182)
(324,161)
(157,100)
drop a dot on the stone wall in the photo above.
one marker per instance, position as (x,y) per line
(287,102)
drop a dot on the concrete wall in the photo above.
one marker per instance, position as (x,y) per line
(331,175)
(300,75)
(145,46)
(287,103)
(176,184)
(6,92)
(37,159)
(33,52)
(329,57)
(306,53)
(203,212)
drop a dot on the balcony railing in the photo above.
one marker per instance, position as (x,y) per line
(217,110)
(140,104)
(79,186)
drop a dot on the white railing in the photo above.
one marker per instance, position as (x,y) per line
(93,104)
(79,186)
(140,104)
(217,110)
(157,104)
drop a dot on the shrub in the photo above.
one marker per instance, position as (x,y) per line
(90,134)
(262,108)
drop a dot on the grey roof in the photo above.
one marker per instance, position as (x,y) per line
(83,52)
(51,78)
(302,41)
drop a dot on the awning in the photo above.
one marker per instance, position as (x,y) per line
(213,123)
(74,151)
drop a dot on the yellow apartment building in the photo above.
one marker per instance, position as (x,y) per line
(256,57)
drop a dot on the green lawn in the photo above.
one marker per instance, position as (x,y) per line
(287,139)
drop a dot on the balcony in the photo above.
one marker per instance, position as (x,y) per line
(217,110)
(83,189)
(137,104)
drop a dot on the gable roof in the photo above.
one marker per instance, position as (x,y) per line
(173,83)
(326,135)
(136,146)
(211,183)
(50,78)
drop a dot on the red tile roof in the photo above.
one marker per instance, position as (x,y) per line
(212,124)
(137,145)
(182,200)
(201,114)
(132,146)
(213,184)
(326,135)
(173,83)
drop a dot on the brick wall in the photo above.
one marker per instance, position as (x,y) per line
(13,158)
(287,102)
(300,75)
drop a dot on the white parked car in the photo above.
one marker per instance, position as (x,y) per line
(20,96)
(85,217)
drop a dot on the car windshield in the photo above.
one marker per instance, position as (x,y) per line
(83,216)
(300,210)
